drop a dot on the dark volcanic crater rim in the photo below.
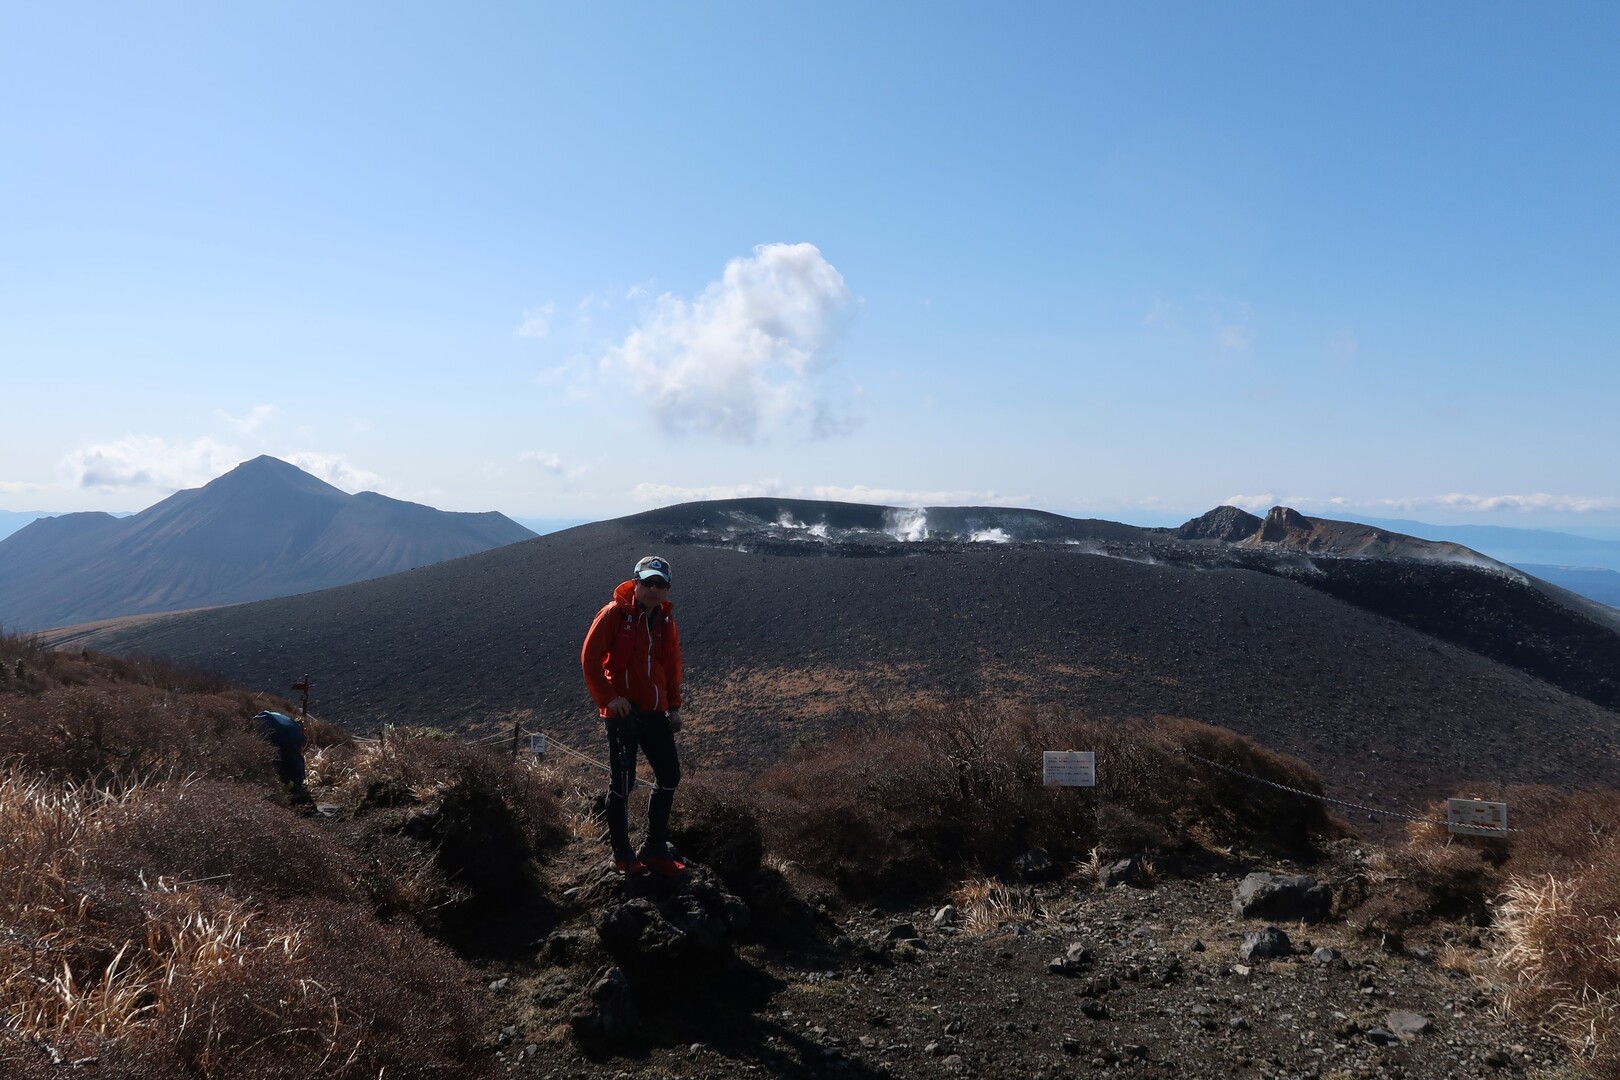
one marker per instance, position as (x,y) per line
(1379,672)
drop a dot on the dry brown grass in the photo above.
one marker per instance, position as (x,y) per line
(986,905)
(906,801)
(155,973)
(1558,922)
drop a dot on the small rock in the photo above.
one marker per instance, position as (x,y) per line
(1325,955)
(946,916)
(498,985)
(935,1049)
(1407,1023)
(1124,872)
(1497,1059)
(1238,1023)
(1268,944)
(1035,865)
(1382,1037)
(1094,1009)
(901,932)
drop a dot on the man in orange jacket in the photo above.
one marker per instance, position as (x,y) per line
(632,664)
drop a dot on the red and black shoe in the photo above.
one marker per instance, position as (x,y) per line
(630,866)
(663,859)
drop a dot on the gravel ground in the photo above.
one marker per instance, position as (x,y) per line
(1158,988)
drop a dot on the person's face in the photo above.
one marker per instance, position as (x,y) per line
(652,591)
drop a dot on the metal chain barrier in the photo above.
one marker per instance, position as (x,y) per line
(1320,798)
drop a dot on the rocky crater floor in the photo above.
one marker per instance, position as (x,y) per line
(1167,977)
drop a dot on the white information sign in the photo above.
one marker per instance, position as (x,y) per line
(537,743)
(1471,817)
(1069,768)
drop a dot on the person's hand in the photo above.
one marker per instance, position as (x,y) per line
(619,707)
(674,721)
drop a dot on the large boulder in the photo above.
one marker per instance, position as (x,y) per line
(668,929)
(1290,898)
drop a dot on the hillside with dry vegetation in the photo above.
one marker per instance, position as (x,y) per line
(905,899)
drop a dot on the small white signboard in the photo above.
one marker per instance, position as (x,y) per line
(1069,768)
(1471,817)
(537,743)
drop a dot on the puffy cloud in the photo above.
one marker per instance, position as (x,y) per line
(743,356)
(143,461)
(1539,502)
(335,470)
(545,459)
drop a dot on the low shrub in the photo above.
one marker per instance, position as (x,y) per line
(717,823)
(158,977)
(903,803)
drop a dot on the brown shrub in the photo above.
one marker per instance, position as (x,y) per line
(910,800)
(130,731)
(229,834)
(717,823)
(157,978)
(869,814)
(1260,815)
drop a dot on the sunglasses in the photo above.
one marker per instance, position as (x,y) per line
(655,583)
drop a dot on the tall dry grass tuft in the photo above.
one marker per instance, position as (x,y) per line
(986,905)
(1558,920)
(1560,958)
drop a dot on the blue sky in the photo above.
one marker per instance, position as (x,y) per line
(1129,261)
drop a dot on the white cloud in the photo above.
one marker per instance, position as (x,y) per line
(19,487)
(664,494)
(545,459)
(1235,337)
(1250,502)
(1452,503)
(536,321)
(743,356)
(335,470)
(258,417)
(143,461)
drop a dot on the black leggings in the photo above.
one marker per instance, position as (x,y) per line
(648,732)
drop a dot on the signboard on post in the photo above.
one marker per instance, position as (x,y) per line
(537,743)
(1069,768)
(1472,817)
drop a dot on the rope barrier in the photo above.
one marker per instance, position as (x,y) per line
(1321,798)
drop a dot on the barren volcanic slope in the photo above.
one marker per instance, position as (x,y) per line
(799,616)
(266,528)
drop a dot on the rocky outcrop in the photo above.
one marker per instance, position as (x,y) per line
(1226,523)
(1290,898)
(1286,526)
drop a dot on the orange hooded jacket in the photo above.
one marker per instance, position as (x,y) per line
(633,654)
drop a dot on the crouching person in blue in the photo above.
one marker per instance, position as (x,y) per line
(632,664)
(287,736)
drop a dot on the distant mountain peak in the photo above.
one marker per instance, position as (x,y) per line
(265,470)
(266,528)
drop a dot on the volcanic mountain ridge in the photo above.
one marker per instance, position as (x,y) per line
(264,529)
(1399,671)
